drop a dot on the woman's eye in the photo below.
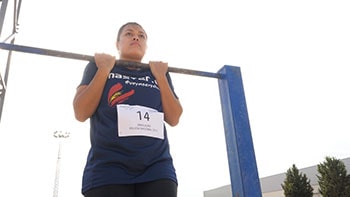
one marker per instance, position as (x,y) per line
(128,34)
(142,36)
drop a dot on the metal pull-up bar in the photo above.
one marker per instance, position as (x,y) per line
(48,52)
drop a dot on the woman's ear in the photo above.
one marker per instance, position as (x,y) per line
(117,45)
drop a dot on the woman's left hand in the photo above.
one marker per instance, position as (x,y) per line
(159,69)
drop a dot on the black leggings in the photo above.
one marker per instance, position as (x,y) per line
(159,188)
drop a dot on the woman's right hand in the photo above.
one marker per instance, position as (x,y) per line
(104,61)
(88,97)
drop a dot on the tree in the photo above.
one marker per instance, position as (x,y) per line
(296,184)
(333,179)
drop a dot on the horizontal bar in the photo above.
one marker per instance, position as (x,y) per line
(62,54)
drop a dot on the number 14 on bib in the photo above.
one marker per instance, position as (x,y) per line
(136,120)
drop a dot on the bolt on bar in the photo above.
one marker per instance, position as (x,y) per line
(62,54)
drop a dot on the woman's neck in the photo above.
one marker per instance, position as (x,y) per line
(131,60)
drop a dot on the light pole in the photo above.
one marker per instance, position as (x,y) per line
(60,135)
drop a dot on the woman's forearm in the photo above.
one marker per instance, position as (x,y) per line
(171,106)
(88,97)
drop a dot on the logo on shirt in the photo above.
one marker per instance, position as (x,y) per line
(116,95)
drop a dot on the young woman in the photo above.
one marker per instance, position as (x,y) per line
(127,108)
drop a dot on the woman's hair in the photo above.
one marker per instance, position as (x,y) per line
(123,26)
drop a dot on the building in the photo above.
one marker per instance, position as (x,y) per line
(271,185)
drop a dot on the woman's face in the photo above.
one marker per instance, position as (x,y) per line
(132,43)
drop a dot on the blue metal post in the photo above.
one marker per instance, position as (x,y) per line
(240,150)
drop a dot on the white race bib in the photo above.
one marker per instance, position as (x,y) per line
(136,120)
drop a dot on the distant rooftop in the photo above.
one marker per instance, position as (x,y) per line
(273,183)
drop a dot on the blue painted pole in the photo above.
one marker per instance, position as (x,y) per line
(240,150)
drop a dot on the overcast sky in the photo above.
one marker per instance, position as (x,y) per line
(294,58)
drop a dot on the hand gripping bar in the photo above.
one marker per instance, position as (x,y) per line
(62,54)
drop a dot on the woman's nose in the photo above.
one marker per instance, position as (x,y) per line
(135,38)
